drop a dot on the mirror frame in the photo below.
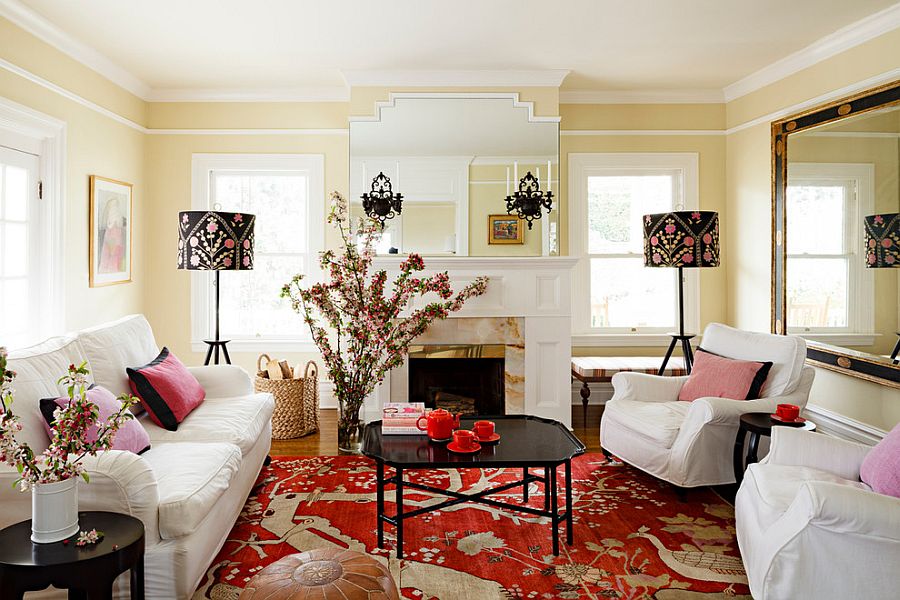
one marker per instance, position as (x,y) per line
(842,360)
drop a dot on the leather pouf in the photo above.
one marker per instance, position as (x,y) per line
(326,574)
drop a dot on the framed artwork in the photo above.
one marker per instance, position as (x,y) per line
(505,229)
(110,232)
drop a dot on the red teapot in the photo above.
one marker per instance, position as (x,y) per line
(440,424)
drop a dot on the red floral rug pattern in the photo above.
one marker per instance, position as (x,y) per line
(633,537)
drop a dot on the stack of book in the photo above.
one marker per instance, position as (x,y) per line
(399,418)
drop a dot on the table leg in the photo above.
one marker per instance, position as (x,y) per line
(554,510)
(569,535)
(525,485)
(738,457)
(585,392)
(8,588)
(137,579)
(753,448)
(379,500)
(546,488)
(399,512)
(100,590)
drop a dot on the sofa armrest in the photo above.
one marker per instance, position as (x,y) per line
(847,509)
(798,447)
(223,381)
(642,387)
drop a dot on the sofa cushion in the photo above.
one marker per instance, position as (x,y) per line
(777,486)
(881,467)
(659,422)
(787,353)
(38,368)
(722,377)
(167,389)
(191,477)
(238,421)
(112,347)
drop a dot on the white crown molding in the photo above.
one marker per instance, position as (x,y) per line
(394,96)
(333,131)
(841,40)
(508,160)
(296,94)
(853,134)
(461,78)
(633,132)
(641,97)
(46,31)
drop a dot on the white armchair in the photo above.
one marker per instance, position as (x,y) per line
(807,527)
(690,444)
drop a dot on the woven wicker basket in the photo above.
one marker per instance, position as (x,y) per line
(296,401)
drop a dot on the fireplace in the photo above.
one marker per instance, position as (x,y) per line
(461,378)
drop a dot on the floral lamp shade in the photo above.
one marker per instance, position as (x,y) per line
(688,239)
(215,241)
(882,239)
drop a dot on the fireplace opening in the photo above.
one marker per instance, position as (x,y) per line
(464,379)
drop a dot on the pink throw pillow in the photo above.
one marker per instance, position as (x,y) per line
(720,377)
(131,436)
(880,469)
(167,389)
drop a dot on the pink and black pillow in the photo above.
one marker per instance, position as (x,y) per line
(718,376)
(167,389)
(131,436)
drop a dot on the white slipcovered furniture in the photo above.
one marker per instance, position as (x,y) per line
(188,489)
(690,444)
(808,527)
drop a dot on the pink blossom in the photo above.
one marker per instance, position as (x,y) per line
(246,244)
(246,261)
(707,256)
(687,258)
(889,259)
(872,243)
(195,260)
(870,258)
(193,241)
(688,241)
(227,262)
(707,238)
(695,216)
(657,258)
(886,242)
(229,243)
(212,227)
(238,218)
(654,240)
(879,220)
(670,228)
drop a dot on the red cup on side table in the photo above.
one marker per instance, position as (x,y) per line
(787,412)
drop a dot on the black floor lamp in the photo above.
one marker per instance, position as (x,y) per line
(882,244)
(684,240)
(215,241)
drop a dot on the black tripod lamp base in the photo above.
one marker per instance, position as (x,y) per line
(213,351)
(686,351)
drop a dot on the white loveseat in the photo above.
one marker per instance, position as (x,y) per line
(188,489)
(808,527)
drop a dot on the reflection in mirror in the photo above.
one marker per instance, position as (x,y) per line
(454,160)
(838,174)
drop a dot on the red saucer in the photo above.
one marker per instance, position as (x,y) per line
(797,421)
(494,437)
(453,447)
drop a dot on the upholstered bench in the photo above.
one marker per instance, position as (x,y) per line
(600,369)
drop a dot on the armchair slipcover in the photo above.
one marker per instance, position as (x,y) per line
(690,444)
(807,527)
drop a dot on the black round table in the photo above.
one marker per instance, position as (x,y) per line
(757,425)
(88,572)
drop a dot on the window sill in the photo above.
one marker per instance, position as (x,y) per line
(839,339)
(261,345)
(623,340)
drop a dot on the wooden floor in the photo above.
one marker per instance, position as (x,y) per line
(324,443)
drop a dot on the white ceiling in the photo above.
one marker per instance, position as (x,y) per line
(234,45)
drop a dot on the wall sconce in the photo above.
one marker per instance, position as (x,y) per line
(381,203)
(528,200)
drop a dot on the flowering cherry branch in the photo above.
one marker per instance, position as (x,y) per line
(369,338)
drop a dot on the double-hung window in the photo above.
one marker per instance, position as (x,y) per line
(286,194)
(617,298)
(829,290)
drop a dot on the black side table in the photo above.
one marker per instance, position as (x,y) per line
(88,572)
(757,424)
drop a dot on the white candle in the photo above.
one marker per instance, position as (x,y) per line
(537,173)
(549,177)
(507,181)
(516,174)
(397,178)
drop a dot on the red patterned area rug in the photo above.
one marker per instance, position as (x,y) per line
(633,537)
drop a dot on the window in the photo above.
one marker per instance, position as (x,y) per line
(615,294)
(286,194)
(829,290)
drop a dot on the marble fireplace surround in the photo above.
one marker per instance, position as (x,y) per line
(527,308)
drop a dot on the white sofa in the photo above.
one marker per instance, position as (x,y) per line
(808,527)
(690,444)
(188,489)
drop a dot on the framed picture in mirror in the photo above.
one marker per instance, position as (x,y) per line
(505,229)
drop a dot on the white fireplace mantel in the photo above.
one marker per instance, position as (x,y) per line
(535,289)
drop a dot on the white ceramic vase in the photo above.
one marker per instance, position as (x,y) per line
(54,511)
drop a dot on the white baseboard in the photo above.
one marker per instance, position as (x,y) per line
(600,393)
(326,395)
(841,426)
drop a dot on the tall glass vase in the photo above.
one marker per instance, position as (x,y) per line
(350,425)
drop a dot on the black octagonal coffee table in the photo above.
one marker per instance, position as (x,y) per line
(526,442)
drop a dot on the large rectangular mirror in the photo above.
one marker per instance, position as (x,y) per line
(837,199)
(455,159)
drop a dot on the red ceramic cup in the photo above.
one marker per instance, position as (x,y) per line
(788,412)
(464,438)
(484,429)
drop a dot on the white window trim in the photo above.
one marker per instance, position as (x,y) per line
(581,165)
(28,130)
(861,328)
(202,298)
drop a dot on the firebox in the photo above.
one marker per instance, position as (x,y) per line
(462,378)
